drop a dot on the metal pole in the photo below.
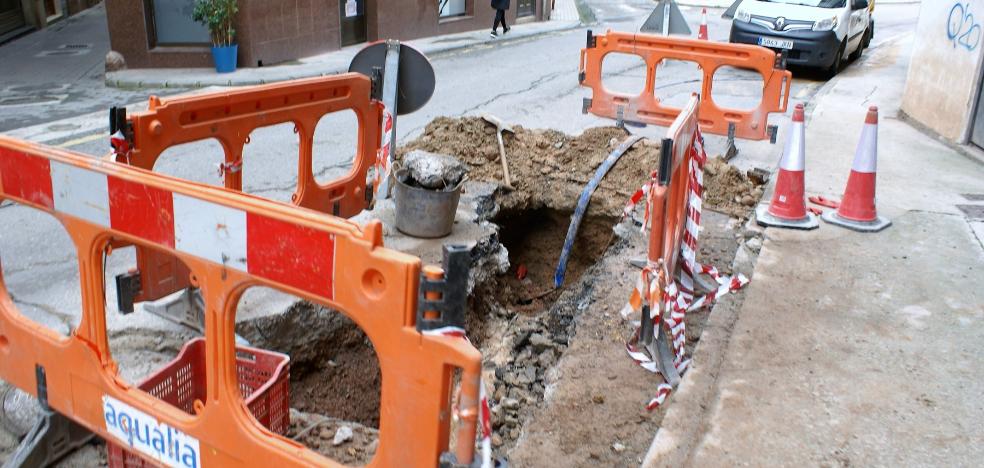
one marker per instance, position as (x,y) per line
(391,75)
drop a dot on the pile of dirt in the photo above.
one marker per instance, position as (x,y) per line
(548,168)
(334,370)
(343,441)
(728,190)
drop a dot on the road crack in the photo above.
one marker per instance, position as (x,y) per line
(533,85)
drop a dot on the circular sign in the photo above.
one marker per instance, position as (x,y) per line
(415,80)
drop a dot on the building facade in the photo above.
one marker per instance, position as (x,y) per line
(20,16)
(944,88)
(161,33)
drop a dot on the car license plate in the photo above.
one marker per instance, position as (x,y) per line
(774,42)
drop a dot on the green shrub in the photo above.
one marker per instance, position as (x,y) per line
(219,17)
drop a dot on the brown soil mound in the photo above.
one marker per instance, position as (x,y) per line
(728,190)
(548,168)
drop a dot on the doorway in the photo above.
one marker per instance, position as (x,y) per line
(11,16)
(353,21)
(525,8)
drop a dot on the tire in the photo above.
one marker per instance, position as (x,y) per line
(838,61)
(870,34)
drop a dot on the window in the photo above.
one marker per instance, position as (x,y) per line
(173,24)
(448,8)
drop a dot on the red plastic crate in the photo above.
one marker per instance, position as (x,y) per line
(264,380)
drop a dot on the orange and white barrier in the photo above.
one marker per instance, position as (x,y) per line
(231,117)
(230,242)
(857,209)
(788,206)
(645,107)
(673,217)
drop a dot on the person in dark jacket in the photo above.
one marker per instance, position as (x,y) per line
(500,16)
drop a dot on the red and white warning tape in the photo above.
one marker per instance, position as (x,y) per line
(121,147)
(484,411)
(384,155)
(676,298)
(639,195)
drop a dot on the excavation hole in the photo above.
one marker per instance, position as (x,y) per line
(520,322)
(335,377)
(534,239)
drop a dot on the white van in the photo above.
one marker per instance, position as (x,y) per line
(815,33)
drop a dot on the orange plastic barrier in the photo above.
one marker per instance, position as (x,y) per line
(669,202)
(709,56)
(229,242)
(230,117)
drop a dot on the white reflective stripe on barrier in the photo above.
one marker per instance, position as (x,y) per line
(210,231)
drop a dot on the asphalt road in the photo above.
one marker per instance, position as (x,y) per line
(530,82)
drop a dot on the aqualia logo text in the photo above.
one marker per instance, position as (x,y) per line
(138,431)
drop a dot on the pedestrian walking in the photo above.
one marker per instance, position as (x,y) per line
(500,16)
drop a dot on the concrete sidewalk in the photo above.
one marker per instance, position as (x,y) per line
(335,62)
(849,348)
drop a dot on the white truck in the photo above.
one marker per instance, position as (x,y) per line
(813,33)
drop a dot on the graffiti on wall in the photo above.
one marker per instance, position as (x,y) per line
(962,29)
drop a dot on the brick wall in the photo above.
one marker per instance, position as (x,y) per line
(278,31)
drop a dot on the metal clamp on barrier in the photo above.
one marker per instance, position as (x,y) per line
(647,108)
(443,297)
(127,289)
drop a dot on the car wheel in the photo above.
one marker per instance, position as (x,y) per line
(869,34)
(838,61)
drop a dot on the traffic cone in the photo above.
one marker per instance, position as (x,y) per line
(702,32)
(788,206)
(857,209)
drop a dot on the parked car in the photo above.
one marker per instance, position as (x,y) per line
(814,33)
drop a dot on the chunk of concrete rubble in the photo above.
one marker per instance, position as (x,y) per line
(434,171)
(342,435)
(540,343)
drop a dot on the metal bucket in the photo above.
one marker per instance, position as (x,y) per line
(424,213)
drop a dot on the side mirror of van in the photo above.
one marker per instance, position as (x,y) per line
(859,4)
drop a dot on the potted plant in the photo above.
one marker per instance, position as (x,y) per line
(218,16)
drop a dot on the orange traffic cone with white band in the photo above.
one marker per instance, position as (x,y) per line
(702,32)
(857,209)
(788,206)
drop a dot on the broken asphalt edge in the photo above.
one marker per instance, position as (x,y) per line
(202,77)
